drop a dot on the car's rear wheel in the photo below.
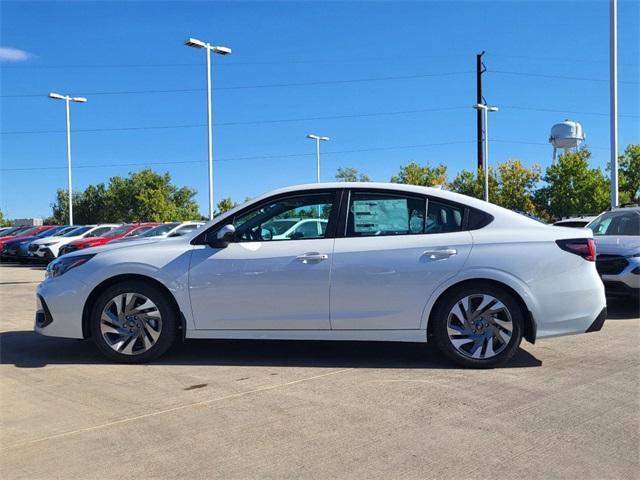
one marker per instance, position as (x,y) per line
(133,322)
(478,326)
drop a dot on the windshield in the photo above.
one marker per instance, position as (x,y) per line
(11,231)
(160,230)
(29,231)
(118,231)
(617,223)
(49,232)
(76,231)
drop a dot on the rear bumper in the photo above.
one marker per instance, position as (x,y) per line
(597,324)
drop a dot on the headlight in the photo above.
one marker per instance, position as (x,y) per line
(64,264)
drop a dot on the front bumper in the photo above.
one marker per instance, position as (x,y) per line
(60,303)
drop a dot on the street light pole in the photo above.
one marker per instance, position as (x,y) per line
(70,195)
(613,96)
(194,42)
(68,99)
(209,133)
(485,167)
(318,139)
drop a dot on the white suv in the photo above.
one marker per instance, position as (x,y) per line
(617,236)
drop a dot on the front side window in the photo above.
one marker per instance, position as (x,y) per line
(375,214)
(286,219)
(616,223)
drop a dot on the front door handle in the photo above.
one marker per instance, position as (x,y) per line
(439,253)
(312,257)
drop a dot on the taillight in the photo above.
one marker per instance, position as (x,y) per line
(585,247)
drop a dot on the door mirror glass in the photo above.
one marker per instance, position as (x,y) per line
(222,238)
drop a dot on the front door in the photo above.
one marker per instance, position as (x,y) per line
(391,258)
(268,279)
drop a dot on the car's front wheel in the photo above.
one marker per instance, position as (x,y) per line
(478,326)
(133,322)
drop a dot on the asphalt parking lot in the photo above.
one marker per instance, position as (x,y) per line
(564,408)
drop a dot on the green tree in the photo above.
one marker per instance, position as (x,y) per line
(572,187)
(225,205)
(472,184)
(350,174)
(142,196)
(3,221)
(516,185)
(629,171)
(416,174)
(511,185)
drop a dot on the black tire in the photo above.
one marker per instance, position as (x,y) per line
(165,306)
(440,318)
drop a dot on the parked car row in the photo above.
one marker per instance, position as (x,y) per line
(47,242)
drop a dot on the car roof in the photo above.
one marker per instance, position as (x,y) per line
(502,216)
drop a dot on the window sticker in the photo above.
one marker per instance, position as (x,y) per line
(384,215)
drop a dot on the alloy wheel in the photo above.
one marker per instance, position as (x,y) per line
(479,326)
(130,323)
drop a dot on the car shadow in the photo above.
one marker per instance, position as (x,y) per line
(27,349)
(622,308)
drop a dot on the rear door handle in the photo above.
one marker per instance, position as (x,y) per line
(312,257)
(438,253)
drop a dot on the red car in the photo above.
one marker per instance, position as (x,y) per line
(28,232)
(126,230)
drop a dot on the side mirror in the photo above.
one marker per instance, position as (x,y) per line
(223,237)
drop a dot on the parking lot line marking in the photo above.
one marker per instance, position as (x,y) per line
(174,409)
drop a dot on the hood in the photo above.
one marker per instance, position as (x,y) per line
(617,245)
(85,241)
(53,238)
(17,240)
(114,246)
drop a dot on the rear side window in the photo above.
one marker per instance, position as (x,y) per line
(443,218)
(379,214)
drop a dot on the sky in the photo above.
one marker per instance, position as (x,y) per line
(388,82)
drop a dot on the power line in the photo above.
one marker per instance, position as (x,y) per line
(520,142)
(248,122)
(304,119)
(358,59)
(260,157)
(289,155)
(266,85)
(559,77)
(322,82)
(576,112)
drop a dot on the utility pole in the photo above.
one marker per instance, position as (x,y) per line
(613,98)
(480,69)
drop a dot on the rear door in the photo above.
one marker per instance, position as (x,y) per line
(396,248)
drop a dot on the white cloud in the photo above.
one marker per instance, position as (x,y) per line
(8,54)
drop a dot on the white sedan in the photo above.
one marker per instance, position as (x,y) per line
(49,248)
(165,230)
(395,263)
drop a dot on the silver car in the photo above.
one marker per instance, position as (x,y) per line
(617,236)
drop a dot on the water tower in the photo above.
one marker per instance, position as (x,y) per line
(566,135)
